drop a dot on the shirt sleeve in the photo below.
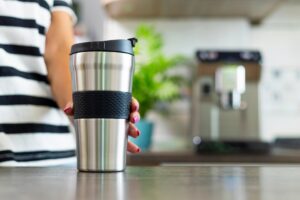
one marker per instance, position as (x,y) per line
(65,6)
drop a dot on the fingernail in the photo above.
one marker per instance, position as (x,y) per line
(138,150)
(67,110)
(135,119)
(136,107)
(138,133)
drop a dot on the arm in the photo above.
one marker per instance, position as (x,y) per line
(58,43)
(59,40)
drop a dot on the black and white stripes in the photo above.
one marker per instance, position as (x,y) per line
(21,49)
(24,23)
(6,71)
(42,3)
(6,100)
(32,127)
(34,155)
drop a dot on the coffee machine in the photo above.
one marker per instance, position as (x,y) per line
(225,102)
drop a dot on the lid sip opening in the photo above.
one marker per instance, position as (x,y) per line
(133,41)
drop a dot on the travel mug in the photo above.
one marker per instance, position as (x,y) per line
(102,74)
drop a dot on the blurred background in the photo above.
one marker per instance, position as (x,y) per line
(221,75)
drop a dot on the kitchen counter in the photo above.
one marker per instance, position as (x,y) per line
(277,156)
(168,182)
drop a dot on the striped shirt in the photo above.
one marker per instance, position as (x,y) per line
(33,130)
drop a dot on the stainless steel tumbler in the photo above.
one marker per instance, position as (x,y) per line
(102,75)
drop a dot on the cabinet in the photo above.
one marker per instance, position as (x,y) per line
(254,10)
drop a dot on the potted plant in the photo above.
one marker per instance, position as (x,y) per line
(152,81)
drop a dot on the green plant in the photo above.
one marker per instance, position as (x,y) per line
(152,80)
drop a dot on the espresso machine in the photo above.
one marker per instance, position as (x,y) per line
(225,102)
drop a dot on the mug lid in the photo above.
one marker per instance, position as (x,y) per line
(122,46)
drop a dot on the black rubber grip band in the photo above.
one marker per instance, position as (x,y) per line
(101,104)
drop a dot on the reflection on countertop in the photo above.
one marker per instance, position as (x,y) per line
(276,156)
(173,182)
(100,186)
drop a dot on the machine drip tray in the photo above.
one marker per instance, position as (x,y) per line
(233,147)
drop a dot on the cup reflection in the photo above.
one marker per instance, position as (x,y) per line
(100,186)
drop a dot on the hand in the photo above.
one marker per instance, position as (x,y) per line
(132,130)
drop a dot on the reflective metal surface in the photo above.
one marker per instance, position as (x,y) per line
(101,143)
(109,71)
(225,102)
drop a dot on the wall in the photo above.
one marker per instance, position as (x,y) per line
(278,38)
(185,36)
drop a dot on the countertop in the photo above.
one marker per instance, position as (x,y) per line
(209,182)
(277,156)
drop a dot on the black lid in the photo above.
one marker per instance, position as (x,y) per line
(122,46)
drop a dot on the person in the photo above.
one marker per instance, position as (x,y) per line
(35,84)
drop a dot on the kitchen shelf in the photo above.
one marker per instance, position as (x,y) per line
(255,10)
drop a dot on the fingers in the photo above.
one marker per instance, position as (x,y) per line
(133,131)
(69,109)
(134,105)
(132,148)
(134,117)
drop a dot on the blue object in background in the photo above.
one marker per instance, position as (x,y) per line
(145,139)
